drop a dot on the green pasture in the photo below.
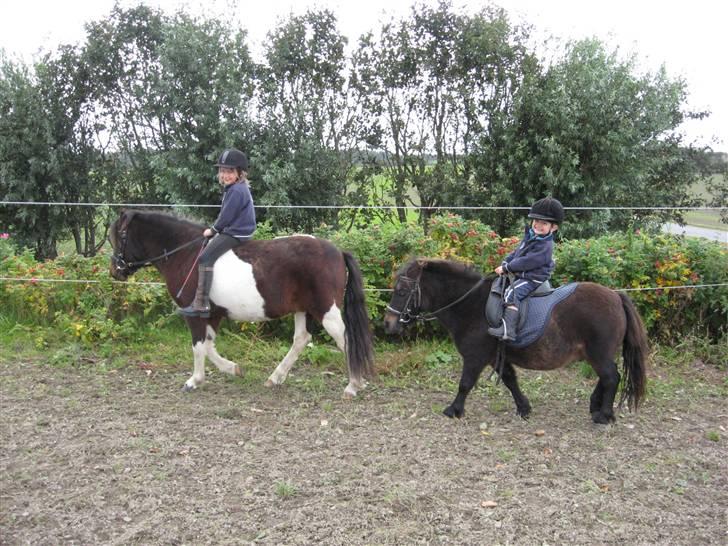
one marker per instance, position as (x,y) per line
(428,364)
(708,219)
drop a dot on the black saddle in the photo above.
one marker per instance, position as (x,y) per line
(494,304)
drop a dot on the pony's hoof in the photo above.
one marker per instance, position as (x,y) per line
(348,395)
(600,419)
(238,371)
(188,388)
(269,384)
(451,412)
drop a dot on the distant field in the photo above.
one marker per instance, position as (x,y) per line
(708,219)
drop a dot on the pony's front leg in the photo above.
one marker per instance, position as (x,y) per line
(198,375)
(199,350)
(223,364)
(301,337)
(472,367)
(523,406)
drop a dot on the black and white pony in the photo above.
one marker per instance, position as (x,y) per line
(261,280)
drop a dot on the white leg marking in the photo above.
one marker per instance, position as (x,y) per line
(300,338)
(334,325)
(223,364)
(198,375)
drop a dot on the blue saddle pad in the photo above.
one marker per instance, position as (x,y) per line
(538,313)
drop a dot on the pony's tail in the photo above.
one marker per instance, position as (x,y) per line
(359,351)
(635,351)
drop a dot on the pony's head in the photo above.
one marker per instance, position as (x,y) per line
(404,306)
(421,285)
(123,250)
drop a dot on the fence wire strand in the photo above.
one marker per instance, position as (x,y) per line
(151,283)
(339,207)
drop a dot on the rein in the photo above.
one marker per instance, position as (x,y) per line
(407,315)
(122,264)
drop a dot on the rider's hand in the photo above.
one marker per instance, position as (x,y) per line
(207,233)
(499,270)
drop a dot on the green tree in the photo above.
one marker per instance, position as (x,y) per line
(592,132)
(25,153)
(175,92)
(122,55)
(75,160)
(309,119)
(47,153)
(436,82)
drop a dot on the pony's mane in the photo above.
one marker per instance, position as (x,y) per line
(168,219)
(446,267)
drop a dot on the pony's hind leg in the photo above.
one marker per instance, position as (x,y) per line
(334,325)
(223,364)
(301,337)
(601,404)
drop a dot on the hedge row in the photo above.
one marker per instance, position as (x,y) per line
(105,309)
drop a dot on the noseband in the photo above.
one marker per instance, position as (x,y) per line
(411,308)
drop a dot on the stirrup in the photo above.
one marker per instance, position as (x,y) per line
(192,311)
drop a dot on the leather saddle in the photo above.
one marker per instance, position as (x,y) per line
(494,304)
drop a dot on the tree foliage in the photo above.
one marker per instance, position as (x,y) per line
(592,132)
(436,83)
(452,108)
(309,119)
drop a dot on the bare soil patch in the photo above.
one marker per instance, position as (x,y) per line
(124,457)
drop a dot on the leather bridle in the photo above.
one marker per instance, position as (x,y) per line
(127,268)
(410,310)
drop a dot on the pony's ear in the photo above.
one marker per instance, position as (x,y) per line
(422,263)
(125,218)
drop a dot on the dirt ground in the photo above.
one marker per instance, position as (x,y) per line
(124,457)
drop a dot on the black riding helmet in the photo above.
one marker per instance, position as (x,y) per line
(548,209)
(233,158)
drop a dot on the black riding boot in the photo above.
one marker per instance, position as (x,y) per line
(200,306)
(509,326)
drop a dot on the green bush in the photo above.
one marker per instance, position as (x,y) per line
(108,310)
(637,260)
(89,311)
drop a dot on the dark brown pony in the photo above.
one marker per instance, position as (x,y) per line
(260,280)
(591,324)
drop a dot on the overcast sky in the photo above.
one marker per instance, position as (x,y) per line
(689,37)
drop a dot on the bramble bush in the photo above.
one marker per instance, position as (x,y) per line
(110,310)
(55,292)
(637,260)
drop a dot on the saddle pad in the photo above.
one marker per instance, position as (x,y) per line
(539,311)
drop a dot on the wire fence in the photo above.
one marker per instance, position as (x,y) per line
(33,280)
(342,207)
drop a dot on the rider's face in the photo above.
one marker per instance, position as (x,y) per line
(543,227)
(227,175)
